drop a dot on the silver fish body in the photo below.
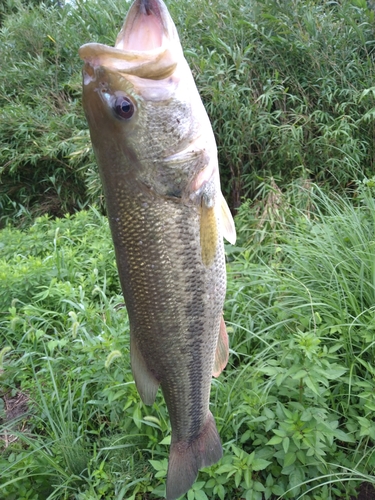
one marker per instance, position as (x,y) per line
(158,163)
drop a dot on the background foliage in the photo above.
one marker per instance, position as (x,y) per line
(294,407)
(289,87)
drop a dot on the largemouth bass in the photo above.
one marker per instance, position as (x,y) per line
(158,164)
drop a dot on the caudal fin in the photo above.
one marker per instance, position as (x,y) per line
(186,459)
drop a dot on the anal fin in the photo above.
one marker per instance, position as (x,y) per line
(222,350)
(146,383)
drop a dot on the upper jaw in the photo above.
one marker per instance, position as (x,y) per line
(147,46)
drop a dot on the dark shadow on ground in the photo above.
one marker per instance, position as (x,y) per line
(366,492)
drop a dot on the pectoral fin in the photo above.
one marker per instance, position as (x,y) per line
(222,350)
(208,231)
(227,222)
(146,383)
(214,210)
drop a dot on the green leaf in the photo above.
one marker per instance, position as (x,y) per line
(311,385)
(200,495)
(260,464)
(159,464)
(166,440)
(191,494)
(289,459)
(250,458)
(300,374)
(253,495)
(268,413)
(275,440)
(335,371)
(286,442)
(248,477)
(225,468)
(199,485)
(343,436)
(277,490)
(137,416)
(280,432)
(296,478)
(220,491)
(238,478)
(257,486)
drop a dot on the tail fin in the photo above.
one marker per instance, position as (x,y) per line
(186,459)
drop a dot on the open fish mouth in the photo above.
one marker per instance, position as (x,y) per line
(144,28)
(147,46)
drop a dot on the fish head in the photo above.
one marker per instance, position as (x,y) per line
(142,105)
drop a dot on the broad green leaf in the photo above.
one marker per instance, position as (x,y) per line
(335,371)
(275,440)
(257,486)
(159,464)
(311,385)
(199,485)
(200,495)
(286,442)
(296,478)
(277,490)
(137,416)
(166,440)
(238,478)
(260,464)
(343,436)
(225,468)
(289,459)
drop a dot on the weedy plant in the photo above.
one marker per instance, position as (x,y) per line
(282,89)
(45,148)
(302,296)
(294,407)
(67,349)
(288,87)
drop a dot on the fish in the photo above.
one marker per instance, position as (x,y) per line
(158,164)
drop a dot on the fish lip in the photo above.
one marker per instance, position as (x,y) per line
(147,45)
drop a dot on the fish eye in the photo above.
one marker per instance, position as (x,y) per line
(124,107)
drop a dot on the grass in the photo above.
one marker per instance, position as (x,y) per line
(288,87)
(294,407)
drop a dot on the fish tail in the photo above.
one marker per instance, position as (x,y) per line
(186,459)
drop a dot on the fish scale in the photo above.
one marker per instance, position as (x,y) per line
(157,160)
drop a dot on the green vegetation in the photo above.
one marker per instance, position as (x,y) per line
(289,86)
(294,407)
